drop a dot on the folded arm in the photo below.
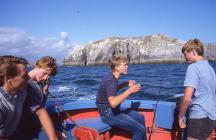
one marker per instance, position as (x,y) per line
(114,101)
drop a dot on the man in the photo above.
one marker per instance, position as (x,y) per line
(199,93)
(34,111)
(108,100)
(13,79)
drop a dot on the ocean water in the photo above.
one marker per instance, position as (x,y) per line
(159,82)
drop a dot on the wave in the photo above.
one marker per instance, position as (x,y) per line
(63,88)
(90,97)
(89,82)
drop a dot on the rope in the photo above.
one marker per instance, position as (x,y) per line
(60,107)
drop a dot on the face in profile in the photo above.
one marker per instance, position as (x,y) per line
(42,74)
(19,81)
(122,68)
(189,56)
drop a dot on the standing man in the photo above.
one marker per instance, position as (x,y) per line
(199,93)
(108,100)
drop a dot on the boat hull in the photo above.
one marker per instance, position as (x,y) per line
(160,118)
(153,132)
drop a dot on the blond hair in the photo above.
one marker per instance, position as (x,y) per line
(116,60)
(47,62)
(194,44)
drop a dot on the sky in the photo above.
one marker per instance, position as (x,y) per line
(35,28)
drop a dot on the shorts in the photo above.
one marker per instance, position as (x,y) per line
(200,128)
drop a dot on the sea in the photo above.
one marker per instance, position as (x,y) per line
(159,82)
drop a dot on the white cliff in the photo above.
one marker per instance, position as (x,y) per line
(149,49)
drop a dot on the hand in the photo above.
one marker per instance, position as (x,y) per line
(61,135)
(46,85)
(182,123)
(134,88)
(131,83)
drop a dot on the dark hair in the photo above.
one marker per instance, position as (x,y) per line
(8,66)
(116,60)
(194,44)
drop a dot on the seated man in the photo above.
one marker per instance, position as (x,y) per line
(13,79)
(108,100)
(34,112)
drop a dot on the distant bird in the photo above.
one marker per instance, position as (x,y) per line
(77,11)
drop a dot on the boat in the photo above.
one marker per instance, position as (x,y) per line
(160,118)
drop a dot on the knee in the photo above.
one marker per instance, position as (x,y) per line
(141,117)
(141,129)
(142,120)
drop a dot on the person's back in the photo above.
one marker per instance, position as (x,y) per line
(108,87)
(203,102)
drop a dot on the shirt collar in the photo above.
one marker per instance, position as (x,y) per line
(113,76)
(8,96)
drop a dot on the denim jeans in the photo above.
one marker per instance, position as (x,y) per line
(127,120)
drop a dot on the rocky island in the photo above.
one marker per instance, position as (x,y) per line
(139,50)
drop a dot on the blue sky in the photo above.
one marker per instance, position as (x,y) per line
(41,27)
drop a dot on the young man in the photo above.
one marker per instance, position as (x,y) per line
(34,112)
(13,79)
(108,100)
(199,94)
